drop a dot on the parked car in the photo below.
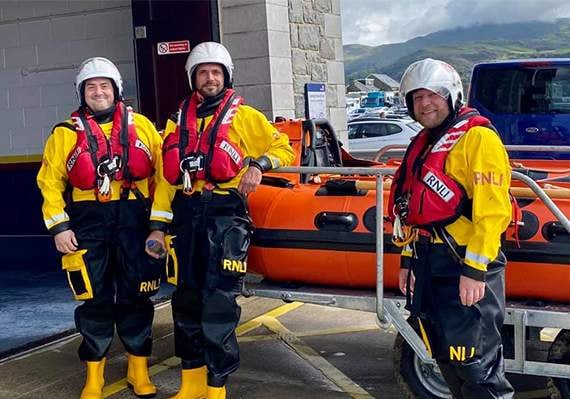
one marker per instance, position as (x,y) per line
(367,135)
(355,113)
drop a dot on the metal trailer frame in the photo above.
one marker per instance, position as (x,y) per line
(389,307)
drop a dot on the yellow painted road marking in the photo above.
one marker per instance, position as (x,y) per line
(254,323)
(314,359)
(120,385)
(334,331)
(313,333)
(172,362)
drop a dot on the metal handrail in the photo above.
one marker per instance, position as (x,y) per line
(544,197)
(386,149)
(528,148)
(521,148)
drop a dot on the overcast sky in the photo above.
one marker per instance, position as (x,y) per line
(375,22)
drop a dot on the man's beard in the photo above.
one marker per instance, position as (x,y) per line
(206,93)
(210,104)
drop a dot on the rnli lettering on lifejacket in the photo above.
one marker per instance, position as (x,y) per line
(234,265)
(73,158)
(483,178)
(438,186)
(227,147)
(459,353)
(149,286)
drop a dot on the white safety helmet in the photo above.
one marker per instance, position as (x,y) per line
(433,75)
(209,53)
(98,67)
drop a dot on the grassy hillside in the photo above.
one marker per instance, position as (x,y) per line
(462,48)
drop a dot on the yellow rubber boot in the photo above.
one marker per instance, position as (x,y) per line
(193,385)
(137,377)
(95,380)
(216,393)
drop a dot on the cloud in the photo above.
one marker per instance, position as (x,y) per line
(375,22)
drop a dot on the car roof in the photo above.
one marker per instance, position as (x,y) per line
(377,119)
(524,62)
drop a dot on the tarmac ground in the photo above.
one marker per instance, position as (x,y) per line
(288,351)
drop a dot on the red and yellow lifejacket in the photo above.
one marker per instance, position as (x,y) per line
(210,155)
(421,193)
(123,157)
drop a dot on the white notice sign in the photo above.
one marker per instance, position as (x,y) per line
(315,100)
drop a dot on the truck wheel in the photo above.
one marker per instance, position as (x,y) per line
(416,378)
(559,352)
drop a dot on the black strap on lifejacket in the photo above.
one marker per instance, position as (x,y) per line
(124,140)
(183,135)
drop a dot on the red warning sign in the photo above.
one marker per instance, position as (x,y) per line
(177,47)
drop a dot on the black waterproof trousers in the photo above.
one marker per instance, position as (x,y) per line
(212,235)
(465,340)
(121,274)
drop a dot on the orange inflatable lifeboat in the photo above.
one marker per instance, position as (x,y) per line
(321,229)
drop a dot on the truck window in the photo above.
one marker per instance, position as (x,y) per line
(528,102)
(525,91)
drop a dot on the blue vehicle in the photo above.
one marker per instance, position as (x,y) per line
(374,99)
(528,101)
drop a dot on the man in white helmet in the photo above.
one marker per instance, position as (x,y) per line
(95,177)
(214,156)
(450,203)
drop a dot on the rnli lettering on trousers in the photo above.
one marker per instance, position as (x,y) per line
(461,353)
(234,265)
(236,240)
(149,286)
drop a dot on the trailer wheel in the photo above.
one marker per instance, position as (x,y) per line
(416,378)
(559,352)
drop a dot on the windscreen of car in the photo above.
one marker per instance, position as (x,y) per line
(528,90)
(364,130)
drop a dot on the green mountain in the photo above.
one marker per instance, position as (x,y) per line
(462,47)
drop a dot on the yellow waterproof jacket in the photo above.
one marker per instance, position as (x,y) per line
(479,162)
(52,178)
(252,133)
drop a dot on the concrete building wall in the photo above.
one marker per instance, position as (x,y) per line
(41,45)
(256,33)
